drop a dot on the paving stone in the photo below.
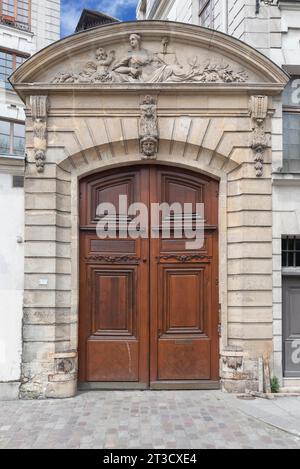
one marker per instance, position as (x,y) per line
(146,420)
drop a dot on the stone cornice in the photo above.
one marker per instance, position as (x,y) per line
(288,5)
(270,89)
(12,165)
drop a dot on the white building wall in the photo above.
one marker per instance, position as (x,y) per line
(45,29)
(11,277)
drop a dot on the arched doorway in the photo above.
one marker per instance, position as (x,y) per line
(148,306)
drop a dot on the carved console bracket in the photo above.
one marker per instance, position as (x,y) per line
(259,109)
(148,128)
(39,111)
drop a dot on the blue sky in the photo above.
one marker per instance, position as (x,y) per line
(71,11)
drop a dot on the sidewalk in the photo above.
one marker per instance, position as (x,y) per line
(151,420)
(282,412)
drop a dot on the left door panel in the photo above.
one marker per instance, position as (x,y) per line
(114,275)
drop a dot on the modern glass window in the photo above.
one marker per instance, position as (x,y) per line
(15,11)
(9,62)
(291,251)
(12,138)
(206,13)
(291,120)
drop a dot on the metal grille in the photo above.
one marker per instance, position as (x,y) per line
(291,251)
(18,181)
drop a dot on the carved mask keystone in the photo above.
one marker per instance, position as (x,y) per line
(148,128)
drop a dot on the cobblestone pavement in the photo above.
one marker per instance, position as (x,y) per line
(159,420)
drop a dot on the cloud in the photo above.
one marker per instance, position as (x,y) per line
(70,14)
(71,11)
(117,8)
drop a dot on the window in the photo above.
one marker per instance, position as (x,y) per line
(9,62)
(12,138)
(291,120)
(18,182)
(16,13)
(291,251)
(206,13)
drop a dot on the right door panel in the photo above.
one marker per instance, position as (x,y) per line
(184,287)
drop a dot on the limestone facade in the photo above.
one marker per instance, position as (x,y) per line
(207,122)
(21,35)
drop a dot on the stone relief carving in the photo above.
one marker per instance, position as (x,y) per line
(148,128)
(39,110)
(140,65)
(65,365)
(259,109)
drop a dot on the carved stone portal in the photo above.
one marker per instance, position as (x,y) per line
(144,66)
(259,109)
(148,128)
(39,110)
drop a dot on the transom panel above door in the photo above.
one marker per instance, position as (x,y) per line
(149,305)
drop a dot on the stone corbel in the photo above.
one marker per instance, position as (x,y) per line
(148,128)
(39,112)
(259,110)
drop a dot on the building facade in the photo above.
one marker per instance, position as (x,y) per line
(274,30)
(25,27)
(159,112)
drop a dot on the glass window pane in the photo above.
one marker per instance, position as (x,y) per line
(5,127)
(284,244)
(291,94)
(4,145)
(19,130)
(291,135)
(19,146)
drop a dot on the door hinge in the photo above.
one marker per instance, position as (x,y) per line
(220,330)
(217,282)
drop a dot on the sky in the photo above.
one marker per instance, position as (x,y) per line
(71,11)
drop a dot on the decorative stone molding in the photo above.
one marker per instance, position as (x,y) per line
(142,65)
(259,109)
(39,111)
(148,128)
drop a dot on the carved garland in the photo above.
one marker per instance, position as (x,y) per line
(259,109)
(184,258)
(113,259)
(39,111)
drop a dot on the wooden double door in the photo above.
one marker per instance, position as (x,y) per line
(148,306)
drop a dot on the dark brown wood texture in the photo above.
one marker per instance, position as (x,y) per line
(148,307)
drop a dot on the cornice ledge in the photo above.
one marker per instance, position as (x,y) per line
(269,89)
(283,5)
